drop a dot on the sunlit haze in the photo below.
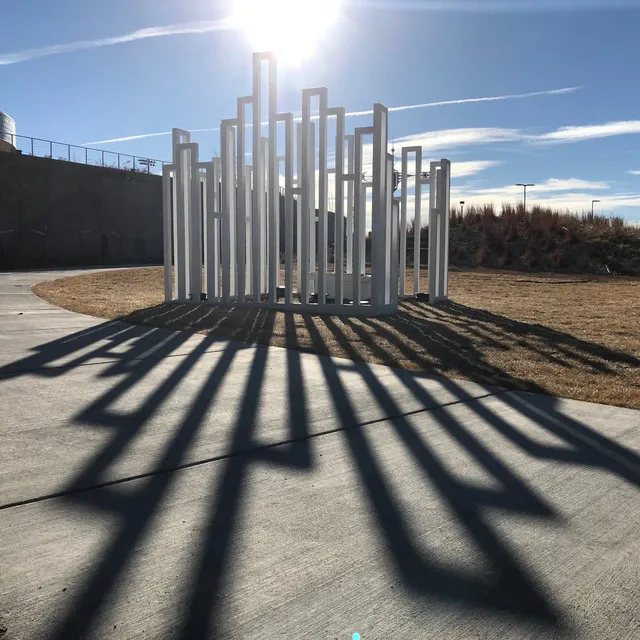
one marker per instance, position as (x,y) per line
(293,29)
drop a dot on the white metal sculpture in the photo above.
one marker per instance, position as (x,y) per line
(226,214)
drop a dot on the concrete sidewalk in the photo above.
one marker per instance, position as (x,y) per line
(156,484)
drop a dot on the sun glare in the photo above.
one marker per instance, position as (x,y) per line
(293,29)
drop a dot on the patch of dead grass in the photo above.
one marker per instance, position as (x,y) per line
(571,336)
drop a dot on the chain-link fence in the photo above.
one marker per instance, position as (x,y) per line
(82,155)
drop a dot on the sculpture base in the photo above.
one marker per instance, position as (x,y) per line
(347,285)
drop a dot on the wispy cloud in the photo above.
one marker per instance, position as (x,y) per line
(552,185)
(634,172)
(570,194)
(456,138)
(573,194)
(471,167)
(451,138)
(575,201)
(589,132)
(203,26)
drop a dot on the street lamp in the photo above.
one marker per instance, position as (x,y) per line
(592,203)
(524,186)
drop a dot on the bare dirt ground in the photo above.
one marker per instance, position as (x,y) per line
(570,336)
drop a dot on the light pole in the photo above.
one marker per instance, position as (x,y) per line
(524,186)
(592,203)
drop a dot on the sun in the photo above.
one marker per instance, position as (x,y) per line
(292,29)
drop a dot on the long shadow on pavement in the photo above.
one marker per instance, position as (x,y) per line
(508,587)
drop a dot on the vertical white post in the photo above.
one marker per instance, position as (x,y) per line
(362,225)
(265,208)
(444,181)
(227,160)
(273,185)
(323,194)
(379,228)
(215,254)
(195,225)
(204,170)
(359,216)
(433,232)
(404,183)
(179,136)
(304,204)
(256,156)
(311,212)
(390,263)
(185,170)
(242,197)
(248,229)
(357,206)
(446,187)
(287,118)
(299,163)
(338,236)
(417,220)
(350,201)
(209,228)
(395,215)
(233,248)
(181,226)
(185,216)
(167,211)
(209,270)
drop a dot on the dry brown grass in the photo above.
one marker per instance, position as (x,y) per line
(571,336)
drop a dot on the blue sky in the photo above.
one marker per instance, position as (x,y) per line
(82,72)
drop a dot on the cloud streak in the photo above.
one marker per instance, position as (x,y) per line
(203,26)
(590,132)
(451,138)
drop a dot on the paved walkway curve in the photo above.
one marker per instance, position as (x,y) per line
(157,484)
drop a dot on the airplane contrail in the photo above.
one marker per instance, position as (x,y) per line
(353,114)
(515,96)
(203,26)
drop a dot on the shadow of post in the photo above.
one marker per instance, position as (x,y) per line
(511,588)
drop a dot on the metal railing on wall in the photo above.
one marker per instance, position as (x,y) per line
(82,155)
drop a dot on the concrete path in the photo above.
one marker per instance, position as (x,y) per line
(155,484)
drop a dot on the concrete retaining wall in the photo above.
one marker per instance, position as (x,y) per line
(55,213)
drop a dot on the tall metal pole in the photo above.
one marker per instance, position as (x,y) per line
(524,186)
